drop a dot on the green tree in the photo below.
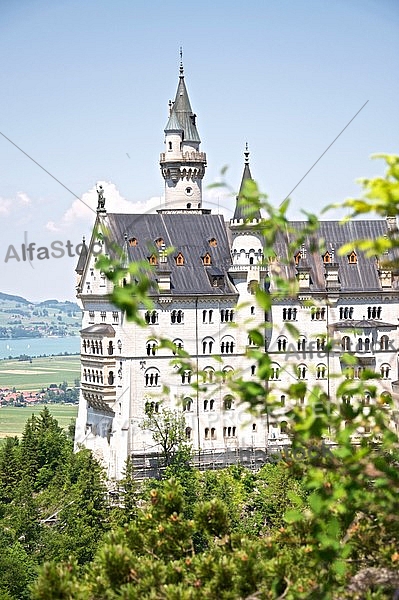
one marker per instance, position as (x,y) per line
(168,429)
(333,536)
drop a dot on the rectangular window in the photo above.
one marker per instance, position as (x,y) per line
(115,316)
(103,315)
(91,316)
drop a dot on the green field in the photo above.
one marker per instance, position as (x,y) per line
(13,419)
(40,373)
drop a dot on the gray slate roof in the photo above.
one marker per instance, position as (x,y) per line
(182,115)
(186,233)
(82,258)
(362,276)
(99,329)
(363,324)
(243,209)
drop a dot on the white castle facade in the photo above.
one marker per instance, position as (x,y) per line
(205,304)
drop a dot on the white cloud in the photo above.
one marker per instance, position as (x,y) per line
(85,209)
(51,226)
(23,197)
(5,206)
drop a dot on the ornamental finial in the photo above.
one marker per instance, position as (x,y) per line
(181,62)
(246,154)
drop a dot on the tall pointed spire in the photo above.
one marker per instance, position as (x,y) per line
(244,209)
(182,163)
(181,113)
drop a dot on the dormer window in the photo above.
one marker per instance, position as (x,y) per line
(179,259)
(352,258)
(207,259)
(153,260)
(133,242)
(327,258)
(213,242)
(160,242)
(297,258)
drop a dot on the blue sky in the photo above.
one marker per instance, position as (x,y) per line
(85,87)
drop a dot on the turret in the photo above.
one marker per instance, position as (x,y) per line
(182,163)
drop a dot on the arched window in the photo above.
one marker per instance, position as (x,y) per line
(207,345)
(327,258)
(253,369)
(228,402)
(301,371)
(152,377)
(205,405)
(301,344)
(151,317)
(111,378)
(177,345)
(227,345)
(367,345)
(188,433)
(281,344)
(213,433)
(385,370)
(110,348)
(284,427)
(213,242)
(318,313)
(212,404)
(206,433)
(360,345)
(186,377)
(206,259)
(177,316)
(226,315)
(187,404)
(227,373)
(274,372)
(151,347)
(153,259)
(133,241)
(290,314)
(384,342)
(209,374)
(179,259)
(346,343)
(321,371)
(320,343)
(282,400)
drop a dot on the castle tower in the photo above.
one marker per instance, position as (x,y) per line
(182,163)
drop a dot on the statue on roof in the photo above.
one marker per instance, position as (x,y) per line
(101,199)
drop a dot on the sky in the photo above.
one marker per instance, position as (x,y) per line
(84,91)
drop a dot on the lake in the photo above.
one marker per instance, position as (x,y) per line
(39,346)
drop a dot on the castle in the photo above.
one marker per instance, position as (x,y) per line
(204,303)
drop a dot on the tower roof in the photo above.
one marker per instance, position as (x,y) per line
(182,116)
(82,258)
(244,209)
(173,124)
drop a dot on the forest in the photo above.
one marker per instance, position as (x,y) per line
(311,525)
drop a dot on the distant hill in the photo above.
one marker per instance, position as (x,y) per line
(20,318)
(66,305)
(12,298)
